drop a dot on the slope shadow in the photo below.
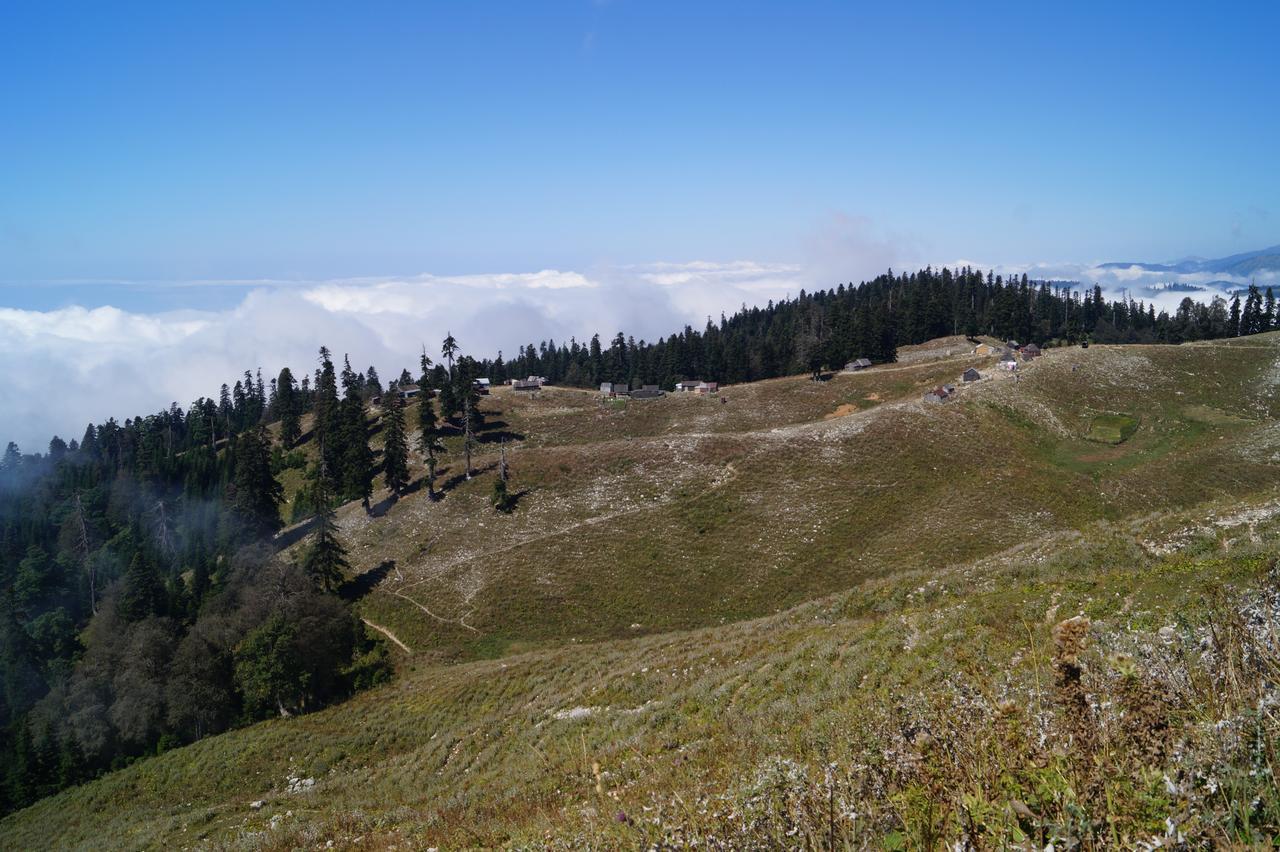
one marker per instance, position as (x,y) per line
(362,584)
(514,499)
(459,478)
(496,431)
(290,537)
(384,505)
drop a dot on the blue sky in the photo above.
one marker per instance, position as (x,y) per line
(190,189)
(172,142)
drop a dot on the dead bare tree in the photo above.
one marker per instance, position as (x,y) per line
(82,549)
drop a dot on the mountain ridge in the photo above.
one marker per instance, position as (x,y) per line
(1242,264)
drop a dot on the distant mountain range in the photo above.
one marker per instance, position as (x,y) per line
(1243,265)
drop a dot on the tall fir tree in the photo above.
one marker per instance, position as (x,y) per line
(328,423)
(429,438)
(468,392)
(141,594)
(450,402)
(395,451)
(288,409)
(356,461)
(255,494)
(326,559)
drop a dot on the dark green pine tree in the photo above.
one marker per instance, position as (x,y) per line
(9,465)
(1233,324)
(326,559)
(142,593)
(255,494)
(1269,315)
(356,462)
(472,417)
(449,350)
(1251,318)
(395,451)
(429,439)
(450,402)
(328,423)
(289,409)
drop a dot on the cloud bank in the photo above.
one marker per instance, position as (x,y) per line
(73,365)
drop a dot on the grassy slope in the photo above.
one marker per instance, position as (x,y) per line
(851,560)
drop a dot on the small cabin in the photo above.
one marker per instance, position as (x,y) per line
(937,395)
(708,387)
(647,392)
(482,385)
(408,392)
(615,389)
(1031,351)
(855,366)
(971,375)
(530,384)
(687,387)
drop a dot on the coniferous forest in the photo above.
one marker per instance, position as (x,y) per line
(826,329)
(143,600)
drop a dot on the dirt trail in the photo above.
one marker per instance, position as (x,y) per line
(387,633)
(461,622)
(436,571)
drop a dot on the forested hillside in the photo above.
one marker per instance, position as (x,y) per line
(828,328)
(144,598)
(820,613)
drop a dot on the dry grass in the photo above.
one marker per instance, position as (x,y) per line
(746,627)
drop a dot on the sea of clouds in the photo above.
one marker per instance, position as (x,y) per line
(69,366)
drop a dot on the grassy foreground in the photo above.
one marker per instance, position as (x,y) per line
(780,623)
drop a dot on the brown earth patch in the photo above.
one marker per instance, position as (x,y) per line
(841,411)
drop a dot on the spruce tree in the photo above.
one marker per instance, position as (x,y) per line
(10,463)
(326,560)
(448,350)
(1252,317)
(395,452)
(255,494)
(450,402)
(328,422)
(356,460)
(472,417)
(429,439)
(289,409)
(141,593)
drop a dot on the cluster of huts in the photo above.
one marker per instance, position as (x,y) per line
(483,385)
(532,383)
(615,390)
(944,392)
(1009,354)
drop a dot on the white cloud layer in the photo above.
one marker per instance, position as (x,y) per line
(74,365)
